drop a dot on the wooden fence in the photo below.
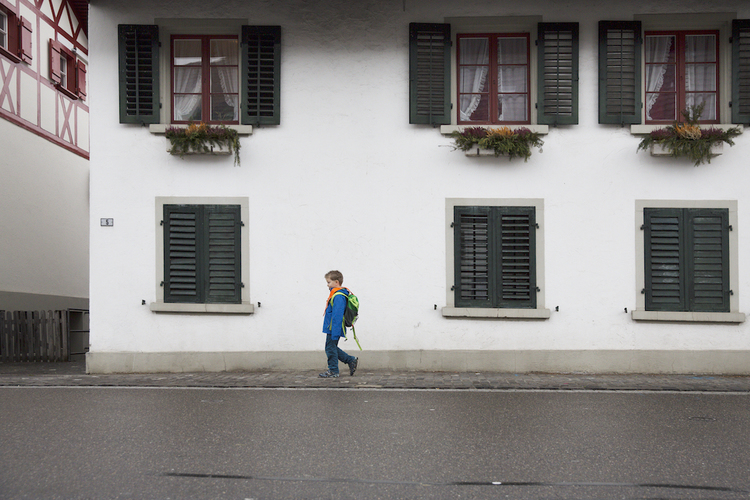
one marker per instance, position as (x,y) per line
(34,336)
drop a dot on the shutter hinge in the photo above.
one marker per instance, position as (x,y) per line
(731,292)
(161,284)
(536,225)
(730,227)
(453,288)
(242,285)
(643,226)
(643,291)
(453,224)
(538,289)
(242,224)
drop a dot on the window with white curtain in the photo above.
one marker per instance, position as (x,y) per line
(682,70)
(493,79)
(3,30)
(205,79)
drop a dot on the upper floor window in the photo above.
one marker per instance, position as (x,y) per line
(227,78)
(653,76)
(682,71)
(498,78)
(205,79)
(3,30)
(67,72)
(493,78)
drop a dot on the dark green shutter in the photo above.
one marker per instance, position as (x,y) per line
(224,273)
(741,71)
(708,241)
(202,254)
(260,69)
(664,259)
(686,259)
(474,286)
(429,73)
(138,47)
(495,250)
(182,230)
(557,56)
(516,255)
(620,72)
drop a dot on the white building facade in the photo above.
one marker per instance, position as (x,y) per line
(44,120)
(591,256)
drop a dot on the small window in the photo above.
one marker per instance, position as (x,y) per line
(3,30)
(66,71)
(205,79)
(682,71)
(493,78)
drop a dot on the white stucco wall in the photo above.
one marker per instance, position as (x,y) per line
(346,183)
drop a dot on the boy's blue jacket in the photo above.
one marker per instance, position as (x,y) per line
(333,321)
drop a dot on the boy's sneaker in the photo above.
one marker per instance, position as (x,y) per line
(353,366)
(328,374)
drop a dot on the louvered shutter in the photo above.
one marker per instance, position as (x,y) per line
(55,62)
(516,256)
(741,71)
(223,254)
(429,73)
(664,259)
(620,72)
(261,75)
(24,40)
(686,259)
(495,250)
(139,73)
(708,244)
(557,73)
(182,230)
(474,286)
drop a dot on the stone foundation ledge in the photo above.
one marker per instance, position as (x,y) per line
(545,361)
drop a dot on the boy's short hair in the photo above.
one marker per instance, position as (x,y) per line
(335,276)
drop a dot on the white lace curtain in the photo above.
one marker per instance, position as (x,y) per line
(475,58)
(698,77)
(188,77)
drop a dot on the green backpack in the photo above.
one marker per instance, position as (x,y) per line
(351,313)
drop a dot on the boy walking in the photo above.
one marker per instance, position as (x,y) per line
(333,326)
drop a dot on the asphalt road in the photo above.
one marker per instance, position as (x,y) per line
(177,443)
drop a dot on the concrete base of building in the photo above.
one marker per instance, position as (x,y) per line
(570,361)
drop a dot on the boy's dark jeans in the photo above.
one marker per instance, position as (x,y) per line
(335,354)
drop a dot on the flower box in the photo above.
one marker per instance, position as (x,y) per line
(203,139)
(218,149)
(661,150)
(477,151)
(480,141)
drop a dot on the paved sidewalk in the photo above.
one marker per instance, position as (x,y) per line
(74,375)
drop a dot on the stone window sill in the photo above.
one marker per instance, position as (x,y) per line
(492,313)
(693,317)
(169,307)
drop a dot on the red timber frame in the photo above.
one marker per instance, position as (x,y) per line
(70,97)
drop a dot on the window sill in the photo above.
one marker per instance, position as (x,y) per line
(693,317)
(647,129)
(14,58)
(161,128)
(164,307)
(492,313)
(449,129)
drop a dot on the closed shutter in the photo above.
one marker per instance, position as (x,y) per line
(558,73)
(261,75)
(182,230)
(708,240)
(517,250)
(223,247)
(686,259)
(429,73)
(664,259)
(741,71)
(139,73)
(620,72)
(202,254)
(495,250)
(472,253)
(24,40)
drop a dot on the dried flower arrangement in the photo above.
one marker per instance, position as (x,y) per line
(201,138)
(503,141)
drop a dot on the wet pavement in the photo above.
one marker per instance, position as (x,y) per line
(73,374)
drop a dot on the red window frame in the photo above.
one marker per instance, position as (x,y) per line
(205,76)
(490,94)
(680,68)
(66,71)
(17,36)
